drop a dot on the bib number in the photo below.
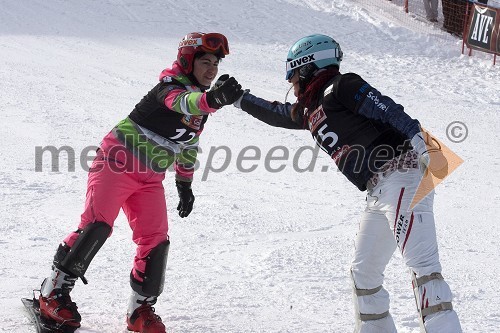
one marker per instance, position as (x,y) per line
(180,133)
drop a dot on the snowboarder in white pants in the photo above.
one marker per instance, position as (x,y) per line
(389,223)
(381,150)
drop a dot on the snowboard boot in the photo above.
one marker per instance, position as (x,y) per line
(143,318)
(55,302)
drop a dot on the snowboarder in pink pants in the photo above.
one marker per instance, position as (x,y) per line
(127,173)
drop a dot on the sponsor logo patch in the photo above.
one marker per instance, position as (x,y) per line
(376,101)
(337,155)
(316,118)
(193,122)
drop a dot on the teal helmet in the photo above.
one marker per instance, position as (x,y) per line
(311,53)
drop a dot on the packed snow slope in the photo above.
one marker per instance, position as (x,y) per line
(263,251)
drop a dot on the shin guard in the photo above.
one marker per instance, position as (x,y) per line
(432,295)
(154,275)
(371,308)
(89,242)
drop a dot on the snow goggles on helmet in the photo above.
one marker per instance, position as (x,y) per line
(209,42)
(294,63)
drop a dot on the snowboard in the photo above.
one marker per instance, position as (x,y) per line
(43,325)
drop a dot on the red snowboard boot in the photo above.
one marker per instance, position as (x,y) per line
(59,308)
(145,320)
(55,303)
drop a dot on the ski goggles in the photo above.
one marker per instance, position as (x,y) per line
(210,42)
(294,63)
(289,74)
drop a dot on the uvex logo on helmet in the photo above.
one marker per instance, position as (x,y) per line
(301,61)
(311,53)
(196,42)
(329,56)
(189,42)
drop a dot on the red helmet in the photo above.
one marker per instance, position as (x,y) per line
(196,42)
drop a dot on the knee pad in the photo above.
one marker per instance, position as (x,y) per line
(76,260)
(154,275)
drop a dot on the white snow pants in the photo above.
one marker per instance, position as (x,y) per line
(388,223)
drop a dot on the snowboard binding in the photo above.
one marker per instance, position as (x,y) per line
(43,324)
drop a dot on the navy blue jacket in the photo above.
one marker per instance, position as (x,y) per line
(355,124)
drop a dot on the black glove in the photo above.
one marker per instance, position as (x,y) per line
(223,78)
(225,94)
(186,198)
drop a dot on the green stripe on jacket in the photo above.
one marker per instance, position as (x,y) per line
(155,157)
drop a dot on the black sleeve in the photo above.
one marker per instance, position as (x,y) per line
(274,114)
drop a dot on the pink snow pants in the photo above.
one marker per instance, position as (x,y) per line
(119,180)
(388,224)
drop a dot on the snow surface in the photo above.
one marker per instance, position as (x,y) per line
(262,251)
